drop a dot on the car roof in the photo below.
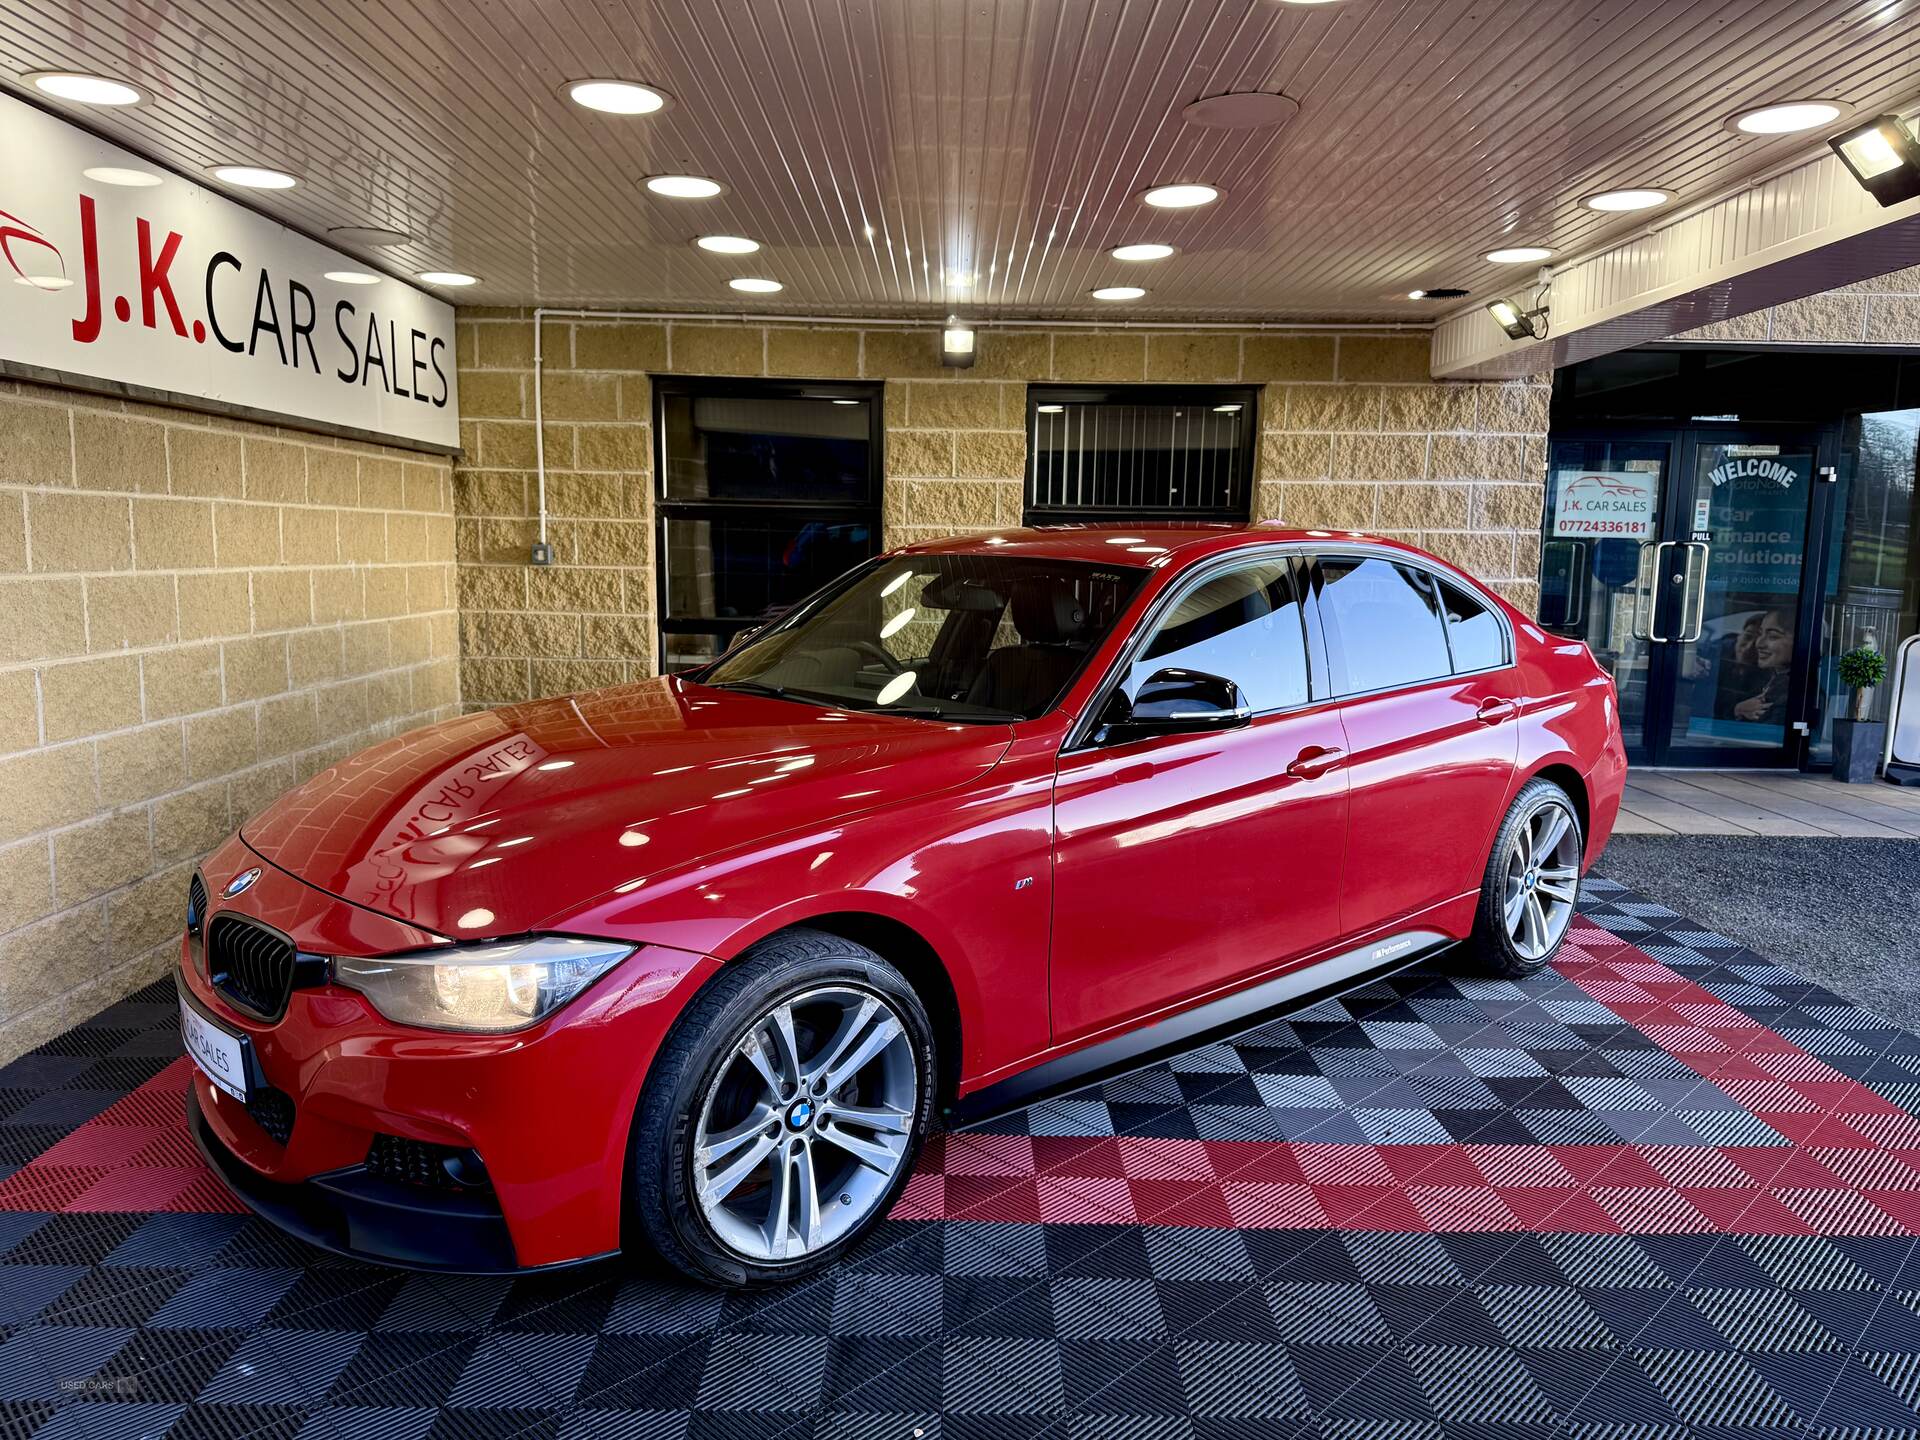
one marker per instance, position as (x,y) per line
(1135,544)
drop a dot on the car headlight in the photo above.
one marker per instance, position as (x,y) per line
(501,985)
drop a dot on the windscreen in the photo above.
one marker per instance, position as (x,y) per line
(958,637)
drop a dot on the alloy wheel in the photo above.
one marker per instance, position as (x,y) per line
(806,1125)
(1543,880)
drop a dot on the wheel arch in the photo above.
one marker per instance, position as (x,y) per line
(1574,783)
(915,957)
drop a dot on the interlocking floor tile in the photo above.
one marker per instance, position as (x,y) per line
(1666,1189)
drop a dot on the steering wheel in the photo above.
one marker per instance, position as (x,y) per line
(877,652)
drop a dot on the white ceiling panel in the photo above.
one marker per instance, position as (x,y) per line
(878,147)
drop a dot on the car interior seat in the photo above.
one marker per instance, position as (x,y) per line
(1052,622)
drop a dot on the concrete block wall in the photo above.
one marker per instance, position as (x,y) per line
(1354,434)
(1882,311)
(200,614)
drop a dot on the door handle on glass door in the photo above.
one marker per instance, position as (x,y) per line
(1315,761)
(1495,709)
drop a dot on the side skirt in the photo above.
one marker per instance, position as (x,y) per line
(1219,1019)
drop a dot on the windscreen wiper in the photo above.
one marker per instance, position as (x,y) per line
(751,687)
(935,712)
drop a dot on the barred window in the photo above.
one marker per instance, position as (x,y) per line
(1132,453)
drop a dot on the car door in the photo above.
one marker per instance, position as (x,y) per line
(1189,863)
(1429,702)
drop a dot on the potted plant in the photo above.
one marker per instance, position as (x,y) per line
(1858,741)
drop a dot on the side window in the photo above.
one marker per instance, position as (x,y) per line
(1474,631)
(1243,625)
(1382,624)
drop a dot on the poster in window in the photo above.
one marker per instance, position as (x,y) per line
(1604,504)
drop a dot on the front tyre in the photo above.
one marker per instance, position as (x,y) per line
(1532,883)
(785,1112)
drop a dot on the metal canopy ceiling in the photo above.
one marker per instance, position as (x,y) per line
(1003,138)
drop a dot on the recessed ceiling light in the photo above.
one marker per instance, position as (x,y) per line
(44,282)
(1519,255)
(728,244)
(684,187)
(117,175)
(1629,200)
(960,279)
(375,235)
(616,97)
(1118,292)
(846,402)
(1146,251)
(1437,292)
(253,177)
(448,277)
(352,277)
(1049,409)
(754,284)
(1180,197)
(1416,294)
(1786,118)
(84,89)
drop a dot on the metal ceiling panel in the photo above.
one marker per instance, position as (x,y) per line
(882,150)
(1799,233)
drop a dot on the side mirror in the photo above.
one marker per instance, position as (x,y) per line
(1177,702)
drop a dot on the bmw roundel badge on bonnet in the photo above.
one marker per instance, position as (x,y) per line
(241,882)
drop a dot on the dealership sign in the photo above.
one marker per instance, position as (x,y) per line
(177,290)
(1604,504)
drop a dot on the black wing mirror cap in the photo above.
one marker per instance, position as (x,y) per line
(1177,702)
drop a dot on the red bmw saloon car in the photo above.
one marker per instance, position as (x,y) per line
(698,961)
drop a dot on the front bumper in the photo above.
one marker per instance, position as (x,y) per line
(547,1110)
(354,1213)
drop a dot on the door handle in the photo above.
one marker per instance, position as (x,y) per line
(1693,616)
(1315,761)
(1653,611)
(1645,599)
(1494,709)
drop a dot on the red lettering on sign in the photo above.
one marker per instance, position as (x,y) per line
(86,329)
(154,281)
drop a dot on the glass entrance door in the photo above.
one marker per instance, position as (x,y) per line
(1729,583)
(1682,559)
(1603,510)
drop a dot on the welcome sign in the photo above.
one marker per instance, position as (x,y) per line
(175,289)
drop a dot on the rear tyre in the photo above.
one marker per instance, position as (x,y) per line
(1532,883)
(782,1117)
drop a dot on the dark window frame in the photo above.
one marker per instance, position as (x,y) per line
(1434,578)
(665,508)
(1297,580)
(1239,506)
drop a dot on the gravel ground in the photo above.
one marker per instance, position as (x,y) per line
(1845,913)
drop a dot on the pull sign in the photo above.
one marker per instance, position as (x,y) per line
(1829,475)
(1802,728)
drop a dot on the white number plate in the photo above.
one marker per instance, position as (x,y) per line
(220,1056)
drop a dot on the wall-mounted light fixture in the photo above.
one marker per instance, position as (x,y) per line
(1519,324)
(1884,156)
(956,344)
